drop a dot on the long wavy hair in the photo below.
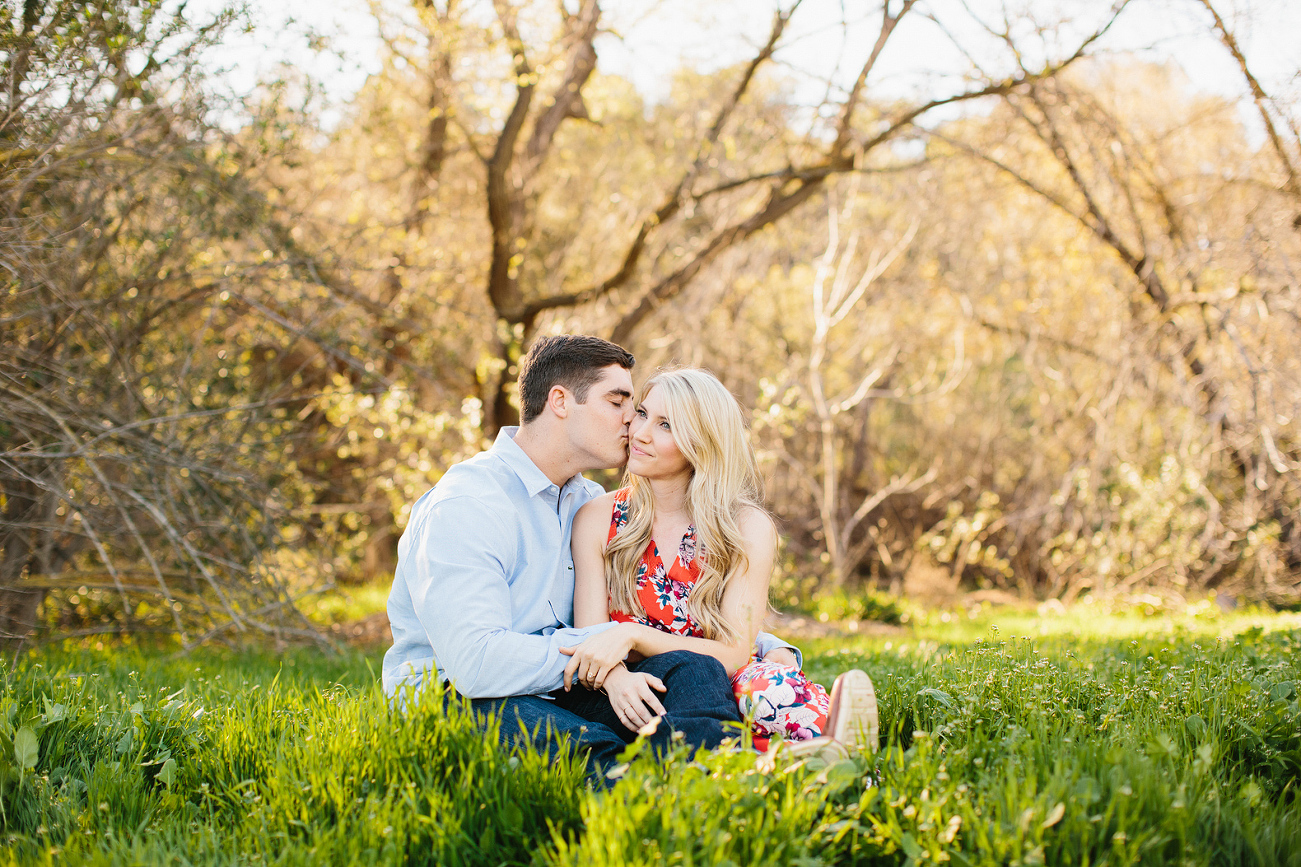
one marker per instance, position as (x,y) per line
(709,428)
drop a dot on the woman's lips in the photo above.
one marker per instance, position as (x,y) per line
(637,451)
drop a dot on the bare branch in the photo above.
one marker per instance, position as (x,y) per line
(908,483)
(844,127)
(1293,183)
(806,182)
(567,99)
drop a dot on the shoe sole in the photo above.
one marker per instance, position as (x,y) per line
(853,719)
(824,747)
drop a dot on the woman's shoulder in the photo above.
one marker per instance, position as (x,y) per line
(601,506)
(755,524)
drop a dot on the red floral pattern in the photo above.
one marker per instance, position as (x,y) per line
(780,700)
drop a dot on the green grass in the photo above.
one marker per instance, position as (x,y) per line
(1179,743)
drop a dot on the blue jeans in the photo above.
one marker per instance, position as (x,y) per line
(698,703)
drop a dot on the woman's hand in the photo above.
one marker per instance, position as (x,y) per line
(633,698)
(594,658)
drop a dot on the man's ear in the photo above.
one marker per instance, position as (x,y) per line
(559,400)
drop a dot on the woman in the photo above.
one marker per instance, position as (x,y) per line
(681,558)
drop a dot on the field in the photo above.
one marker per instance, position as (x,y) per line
(1010,738)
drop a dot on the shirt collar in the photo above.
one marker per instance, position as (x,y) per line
(535,481)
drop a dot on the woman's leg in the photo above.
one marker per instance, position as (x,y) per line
(781,701)
(698,701)
(852,724)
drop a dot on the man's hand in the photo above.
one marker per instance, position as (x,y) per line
(594,659)
(632,696)
(782,656)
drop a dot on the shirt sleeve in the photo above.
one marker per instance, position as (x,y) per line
(457,578)
(765,642)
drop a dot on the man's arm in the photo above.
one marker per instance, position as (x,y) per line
(456,568)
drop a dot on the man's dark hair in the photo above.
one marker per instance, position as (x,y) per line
(574,361)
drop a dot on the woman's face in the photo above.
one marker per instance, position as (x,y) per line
(652,451)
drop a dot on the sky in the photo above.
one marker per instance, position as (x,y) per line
(649,39)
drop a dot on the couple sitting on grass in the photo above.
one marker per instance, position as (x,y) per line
(581,617)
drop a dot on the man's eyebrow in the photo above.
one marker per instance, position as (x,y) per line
(618,392)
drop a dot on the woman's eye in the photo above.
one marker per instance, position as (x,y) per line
(664,425)
(641,412)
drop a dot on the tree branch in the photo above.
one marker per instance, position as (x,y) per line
(844,127)
(503,284)
(1293,183)
(567,99)
(674,199)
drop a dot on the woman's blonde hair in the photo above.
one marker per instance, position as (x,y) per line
(709,428)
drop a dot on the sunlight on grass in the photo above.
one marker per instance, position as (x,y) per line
(346,603)
(1079,622)
(1084,739)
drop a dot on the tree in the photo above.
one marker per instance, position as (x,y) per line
(515,96)
(139,455)
(1281,125)
(481,190)
(839,285)
(1172,194)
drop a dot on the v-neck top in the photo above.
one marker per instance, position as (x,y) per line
(662,590)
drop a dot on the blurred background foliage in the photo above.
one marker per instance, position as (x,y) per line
(1048,344)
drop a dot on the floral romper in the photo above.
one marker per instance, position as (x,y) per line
(781,699)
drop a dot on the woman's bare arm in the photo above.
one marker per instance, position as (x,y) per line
(591,594)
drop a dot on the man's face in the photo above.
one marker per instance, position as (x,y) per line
(599,426)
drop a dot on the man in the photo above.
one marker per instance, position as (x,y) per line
(483,596)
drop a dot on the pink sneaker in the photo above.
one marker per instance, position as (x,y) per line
(853,717)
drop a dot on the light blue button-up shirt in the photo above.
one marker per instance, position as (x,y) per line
(484,590)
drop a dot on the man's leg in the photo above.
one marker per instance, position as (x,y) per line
(533,720)
(698,702)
